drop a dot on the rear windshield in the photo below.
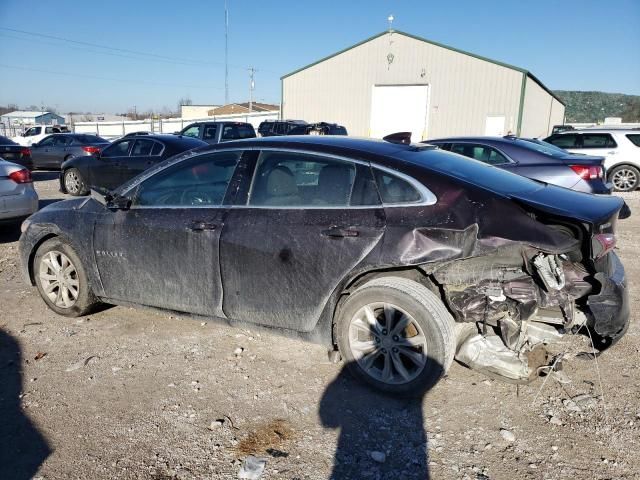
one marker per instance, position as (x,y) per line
(6,141)
(90,139)
(541,147)
(471,171)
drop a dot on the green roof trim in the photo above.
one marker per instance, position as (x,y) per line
(437,44)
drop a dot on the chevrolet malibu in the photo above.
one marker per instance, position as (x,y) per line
(399,257)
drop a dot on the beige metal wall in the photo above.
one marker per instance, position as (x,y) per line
(541,111)
(192,112)
(464,90)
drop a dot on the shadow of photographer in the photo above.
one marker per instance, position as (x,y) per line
(22,448)
(381,436)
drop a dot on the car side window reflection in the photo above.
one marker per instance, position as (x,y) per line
(199,181)
(394,190)
(290,179)
(481,153)
(47,142)
(120,149)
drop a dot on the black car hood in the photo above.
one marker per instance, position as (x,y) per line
(585,207)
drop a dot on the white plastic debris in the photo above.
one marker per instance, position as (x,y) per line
(252,468)
(507,435)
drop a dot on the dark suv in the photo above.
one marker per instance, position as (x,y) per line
(271,128)
(218,132)
(274,128)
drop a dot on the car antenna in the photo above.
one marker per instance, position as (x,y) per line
(398,137)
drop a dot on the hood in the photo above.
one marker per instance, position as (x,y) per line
(593,209)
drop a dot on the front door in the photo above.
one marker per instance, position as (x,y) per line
(308,221)
(163,251)
(105,171)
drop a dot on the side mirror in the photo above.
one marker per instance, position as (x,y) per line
(118,202)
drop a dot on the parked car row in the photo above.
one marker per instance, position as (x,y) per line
(277,128)
(619,147)
(399,257)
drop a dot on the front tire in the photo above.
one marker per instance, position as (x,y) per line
(396,335)
(625,178)
(61,279)
(73,182)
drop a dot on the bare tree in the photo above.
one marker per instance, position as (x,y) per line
(184,101)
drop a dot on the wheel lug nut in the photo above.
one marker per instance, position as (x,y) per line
(395,350)
(396,338)
(384,332)
(384,350)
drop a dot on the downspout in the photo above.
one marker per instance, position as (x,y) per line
(523,87)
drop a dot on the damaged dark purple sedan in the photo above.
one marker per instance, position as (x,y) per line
(400,257)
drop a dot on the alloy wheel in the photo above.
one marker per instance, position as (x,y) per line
(625,179)
(387,343)
(72,182)
(59,279)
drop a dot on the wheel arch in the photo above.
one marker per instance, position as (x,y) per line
(32,254)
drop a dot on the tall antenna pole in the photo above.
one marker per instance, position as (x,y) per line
(252,85)
(226,54)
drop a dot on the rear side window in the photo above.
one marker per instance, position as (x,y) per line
(289,179)
(635,139)
(237,132)
(481,153)
(157,149)
(395,190)
(598,140)
(564,141)
(142,148)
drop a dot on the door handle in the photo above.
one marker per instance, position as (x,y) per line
(199,226)
(337,232)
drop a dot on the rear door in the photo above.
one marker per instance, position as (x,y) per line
(601,145)
(305,221)
(144,154)
(164,251)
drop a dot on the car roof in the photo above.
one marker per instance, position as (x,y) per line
(326,143)
(481,139)
(169,139)
(601,130)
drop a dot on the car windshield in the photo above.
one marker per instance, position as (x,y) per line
(6,141)
(471,171)
(541,146)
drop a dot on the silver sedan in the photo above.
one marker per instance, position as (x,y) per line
(18,198)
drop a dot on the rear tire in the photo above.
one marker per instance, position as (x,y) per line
(73,182)
(396,335)
(625,178)
(61,279)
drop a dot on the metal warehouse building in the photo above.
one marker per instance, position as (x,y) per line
(395,82)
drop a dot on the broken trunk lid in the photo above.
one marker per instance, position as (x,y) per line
(592,209)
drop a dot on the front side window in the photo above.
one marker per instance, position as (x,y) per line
(61,141)
(120,149)
(289,179)
(480,152)
(142,148)
(199,181)
(33,131)
(564,141)
(51,130)
(395,190)
(210,132)
(193,131)
(597,140)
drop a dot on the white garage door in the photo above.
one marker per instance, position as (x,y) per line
(399,108)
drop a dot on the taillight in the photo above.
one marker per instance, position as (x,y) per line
(21,176)
(25,152)
(602,244)
(588,173)
(91,149)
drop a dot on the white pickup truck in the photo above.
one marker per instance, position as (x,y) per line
(38,132)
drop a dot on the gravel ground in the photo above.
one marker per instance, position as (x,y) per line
(129,393)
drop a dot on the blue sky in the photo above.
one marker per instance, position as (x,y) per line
(572,45)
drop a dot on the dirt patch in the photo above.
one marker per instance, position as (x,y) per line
(269,438)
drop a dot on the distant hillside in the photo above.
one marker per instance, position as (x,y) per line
(583,107)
